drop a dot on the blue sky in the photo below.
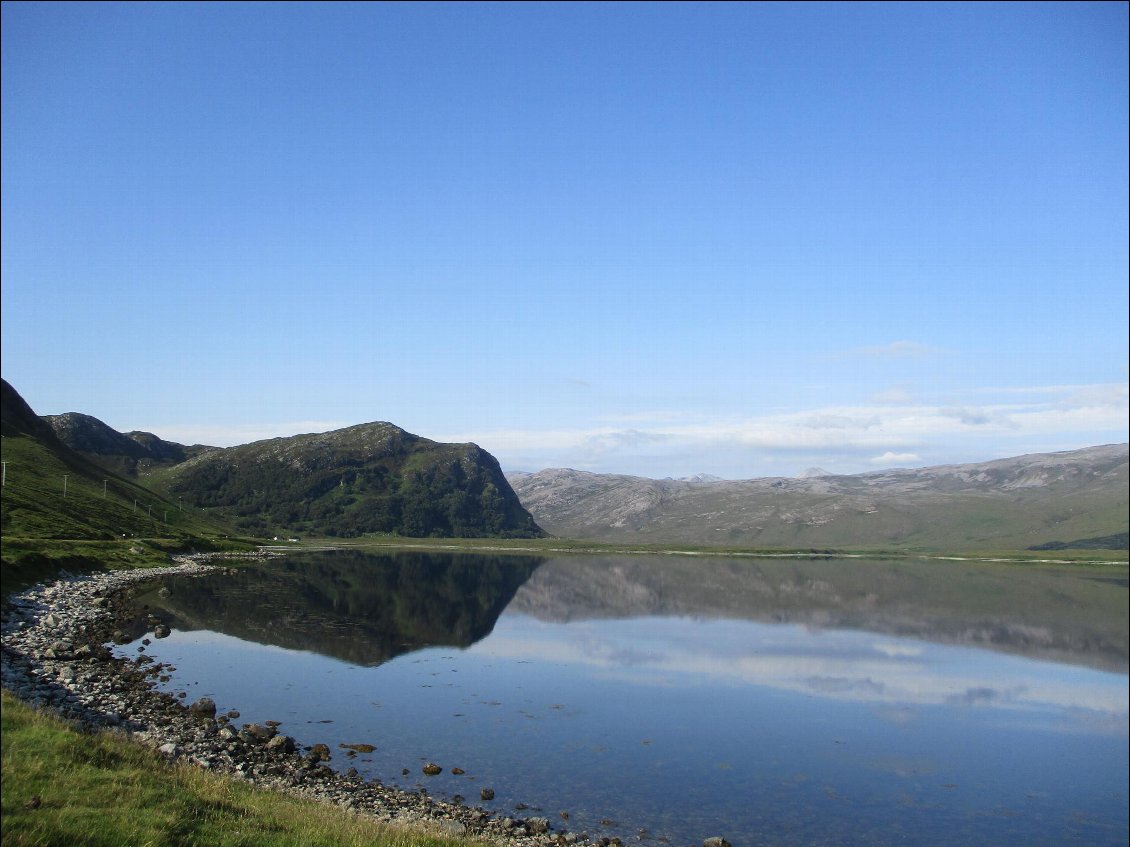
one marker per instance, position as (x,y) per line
(738,239)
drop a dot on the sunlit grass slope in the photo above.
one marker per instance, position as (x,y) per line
(98,520)
(61,787)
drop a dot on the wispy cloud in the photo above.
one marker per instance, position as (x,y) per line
(833,664)
(854,436)
(844,439)
(890,459)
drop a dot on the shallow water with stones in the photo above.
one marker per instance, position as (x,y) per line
(663,700)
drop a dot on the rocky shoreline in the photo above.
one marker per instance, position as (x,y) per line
(54,657)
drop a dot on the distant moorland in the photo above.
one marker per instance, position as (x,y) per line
(1076,499)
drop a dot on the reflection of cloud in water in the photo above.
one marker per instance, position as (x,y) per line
(898,716)
(894,650)
(1098,723)
(834,664)
(845,685)
(984,696)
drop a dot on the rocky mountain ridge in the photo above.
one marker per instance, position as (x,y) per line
(126,453)
(1024,500)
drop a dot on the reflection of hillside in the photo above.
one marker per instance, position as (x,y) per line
(360,608)
(1076,615)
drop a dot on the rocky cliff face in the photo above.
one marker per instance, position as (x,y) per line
(1022,501)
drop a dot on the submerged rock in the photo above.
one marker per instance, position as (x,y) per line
(205,707)
(320,753)
(358,748)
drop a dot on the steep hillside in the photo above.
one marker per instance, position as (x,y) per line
(1008,503)
(368,478)
(51,492)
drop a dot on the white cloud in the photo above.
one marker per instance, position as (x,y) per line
(890,459)
(841,439)
(848,438)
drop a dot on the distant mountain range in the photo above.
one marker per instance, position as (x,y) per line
(376,478)
(1054,500)
(369,478)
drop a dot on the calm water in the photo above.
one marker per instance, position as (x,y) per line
(772,702)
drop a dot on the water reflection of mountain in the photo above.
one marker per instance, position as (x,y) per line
(1074,614)
(360,608)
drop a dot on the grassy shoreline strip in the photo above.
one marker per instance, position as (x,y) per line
(555,546)
(61,786)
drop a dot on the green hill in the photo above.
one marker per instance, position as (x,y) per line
(371,478)
(59,509)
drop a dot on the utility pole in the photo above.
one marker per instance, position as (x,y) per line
(4,474)
(65,484)
(104,489)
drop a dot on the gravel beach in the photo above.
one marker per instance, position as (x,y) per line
(55,657)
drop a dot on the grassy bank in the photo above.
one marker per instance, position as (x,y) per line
(63,787)
(547,546)
(26,561)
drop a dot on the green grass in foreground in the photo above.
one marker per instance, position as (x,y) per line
(63,787)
